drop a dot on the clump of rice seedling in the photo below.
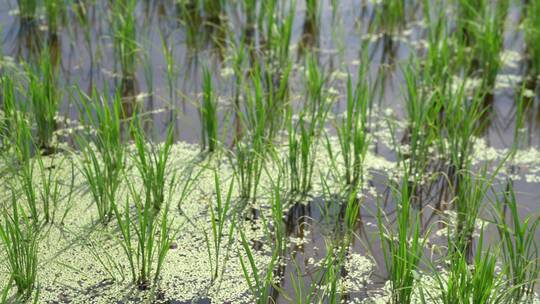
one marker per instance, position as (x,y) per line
(172,70)
(390,15)
(310,27)
(190,18)
(486,283)
(402,249)
(261,284)
(54,10)
(481,27)
(327,288)
(103,155)
(519,248)
(8,111)
(125,37)
(261,116)
(248,160)
(423,129)
(278,32)
(462,121)
(477,282)
(301,155)
(152,162)
(304,134)
(532,35)
(209,115)
(248,163)
(52,187)
(470,194)
(438,64)
(213,9)
(489,43)
(40,183)
(27,9)
(218,218)
(20,240)
(250,11)
(468,13)
(312,9)
(331,272)
(44,98)
(146,235)
(352,132)
(145,239)
(24,175)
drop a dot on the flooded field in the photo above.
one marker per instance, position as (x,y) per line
(276,151)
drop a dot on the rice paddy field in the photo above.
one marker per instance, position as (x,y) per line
(272,151)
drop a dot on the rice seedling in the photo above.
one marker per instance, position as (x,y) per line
(264,109)
(146,235)
(478,282)
(53,189)
(44,98)
(462,121)
(20,241)
(39,179)
(331,273)
(260,115)
(152,163)
(125,37)
(390,15)
(209,117)
(54,11)
(402,249)
(328,285)
(468,12)
(145,239)
(24,172)
(213,9)
(310,26)
(300,157)
(489,43)
(423,129)
(312,8)
(190,17)
(481,28)
(261,283)
(438,59)
(519,248)
(250,11)
(278,32)
(218,219)
(8,110)
(103,156)
(485,282)
(172,71)
(248,163)
(303,135)
(532,35)
(352,132)
(27,9)
(470,195)
(239,59)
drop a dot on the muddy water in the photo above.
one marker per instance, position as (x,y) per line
(84,48)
